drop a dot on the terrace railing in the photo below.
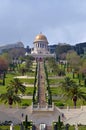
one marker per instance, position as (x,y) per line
(38,107)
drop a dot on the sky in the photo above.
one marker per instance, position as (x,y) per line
(61,21)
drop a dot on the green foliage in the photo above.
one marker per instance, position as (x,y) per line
(58,125)
(56,90)
(4,127)
(29,90)
(27,81)
(49,98)
(16,85)
(27,123)
(72,90)
(55,81)
(10,97)
(26,102)
(35,87)
(2,89)
(60,104)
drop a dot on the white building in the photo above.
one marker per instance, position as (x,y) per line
(40,45)
(40,49)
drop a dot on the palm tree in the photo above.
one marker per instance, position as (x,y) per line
(72,90)
(17,86)
(66,84)
(10,97)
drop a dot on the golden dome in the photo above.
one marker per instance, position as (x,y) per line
(41,37)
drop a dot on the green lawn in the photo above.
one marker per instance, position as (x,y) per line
(54,81)
(17,127)
(82,127)
(29,90)
(27,81)
(2,89)
(57,91)
(26,102)
(68,102)
(9,77)
(30,73)
(79,128)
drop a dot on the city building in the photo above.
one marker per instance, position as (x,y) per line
(80,48)
(10,46)
(52,48)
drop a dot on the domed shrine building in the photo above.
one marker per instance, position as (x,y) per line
(40,49)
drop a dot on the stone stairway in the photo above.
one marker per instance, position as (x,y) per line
(41,87)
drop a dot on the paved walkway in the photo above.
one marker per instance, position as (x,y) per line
(26,97)
(41,85)
(71,116)
(15,114)
(24,77)
(75,116)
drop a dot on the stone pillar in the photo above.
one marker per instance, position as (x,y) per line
(76,127)
(68,108)
(38,106)
(81,107)
(11,126)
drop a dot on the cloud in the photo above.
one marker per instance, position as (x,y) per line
(60,21)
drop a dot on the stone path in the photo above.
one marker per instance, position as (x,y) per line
(41,86)
(15,115)
(72,116)
(75,116)
(24,77)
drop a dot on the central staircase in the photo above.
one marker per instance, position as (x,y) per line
(41,86)
(43,113)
